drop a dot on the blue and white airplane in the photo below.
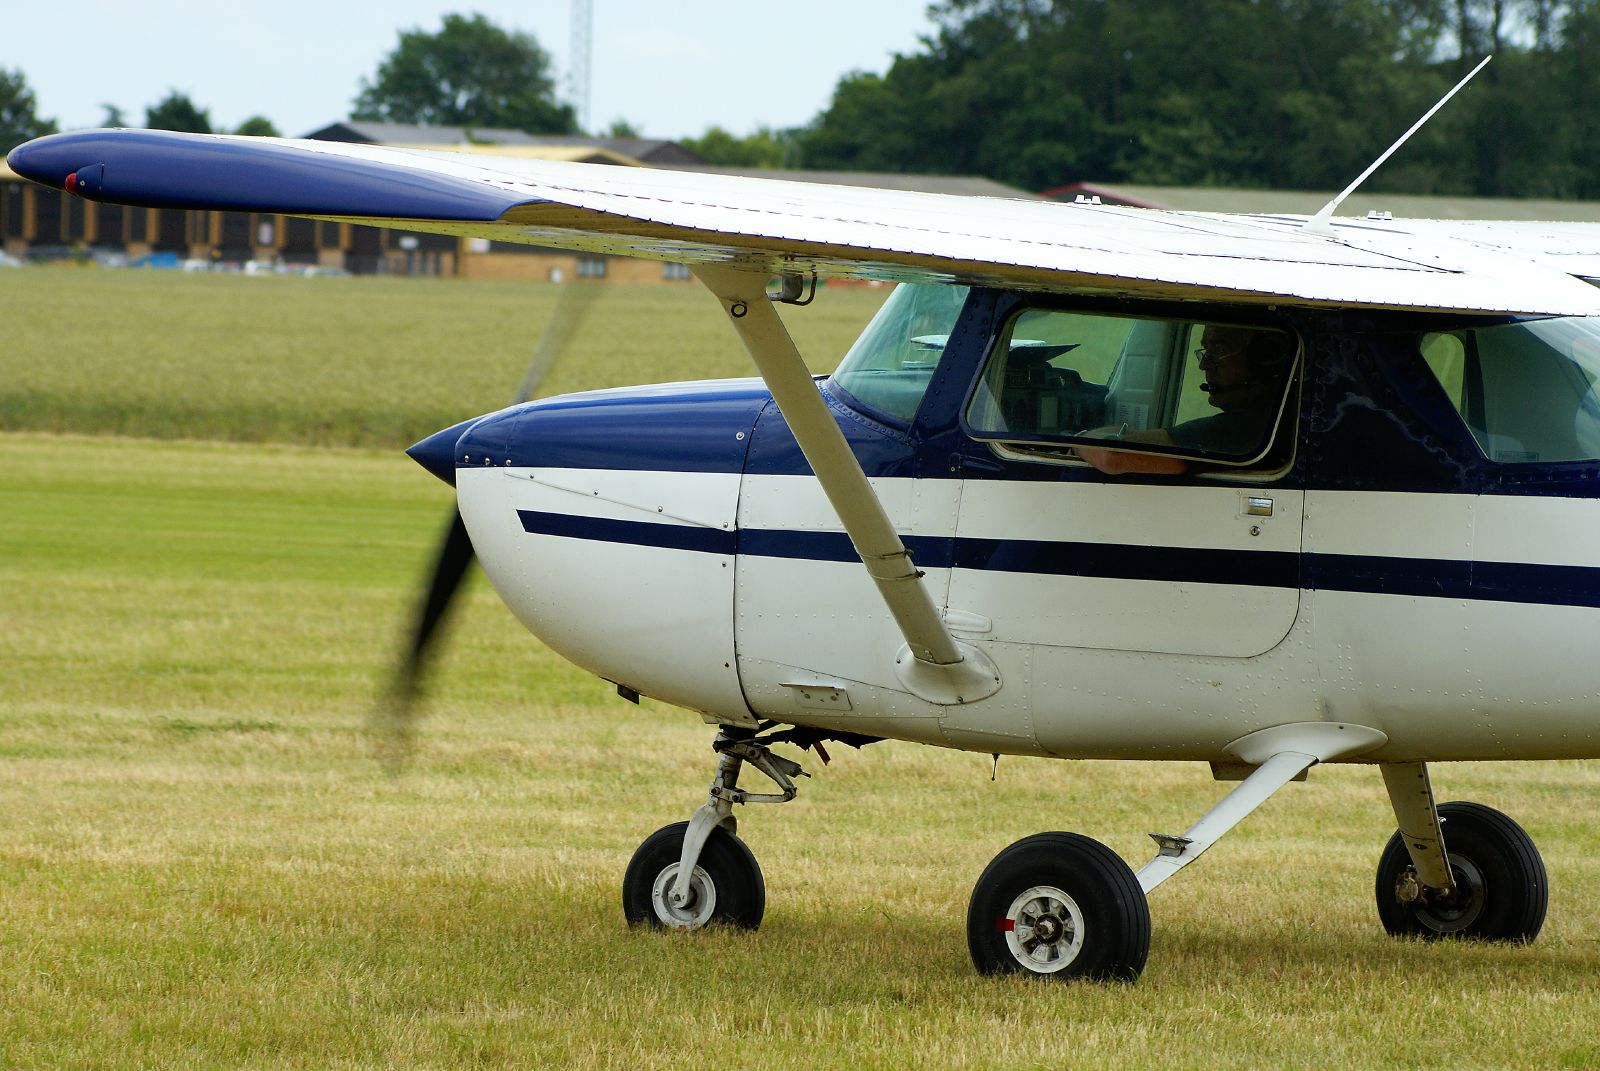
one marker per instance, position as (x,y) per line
(1097,482)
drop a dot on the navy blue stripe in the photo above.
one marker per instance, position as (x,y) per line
(930,552)
(1546,585)
(1552,585)
(1560,585)
(635,533)
(1427,577)
(1125,562)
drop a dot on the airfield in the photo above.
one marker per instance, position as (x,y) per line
(211,543)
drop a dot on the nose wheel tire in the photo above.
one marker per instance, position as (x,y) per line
(1500,893)
(726,887)
(1059,905)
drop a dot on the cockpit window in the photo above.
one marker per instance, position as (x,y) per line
(1527,390)
(891,364)
(1189,389)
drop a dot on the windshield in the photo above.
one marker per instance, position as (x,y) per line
(890,365)
(1526,390)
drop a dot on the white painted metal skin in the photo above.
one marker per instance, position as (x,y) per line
(1092,667)
(653,619)
(779,226)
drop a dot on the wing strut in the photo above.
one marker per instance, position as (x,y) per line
(934,666)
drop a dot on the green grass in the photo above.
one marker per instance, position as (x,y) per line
(203,864)
(349,361)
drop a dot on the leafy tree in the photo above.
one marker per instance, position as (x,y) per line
(19,119)
(470,73)
(177,112)
(766,148)
(113,116)
(1253,93)
(258,126)
(621,128)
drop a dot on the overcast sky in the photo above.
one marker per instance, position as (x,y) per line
(670,67)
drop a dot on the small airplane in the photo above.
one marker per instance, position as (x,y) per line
(1096,482)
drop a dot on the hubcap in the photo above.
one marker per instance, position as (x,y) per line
(1457,909)
(692,914)
(1044,929)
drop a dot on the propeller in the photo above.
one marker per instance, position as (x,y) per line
(396,716)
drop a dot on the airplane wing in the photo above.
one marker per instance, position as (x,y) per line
(787,227)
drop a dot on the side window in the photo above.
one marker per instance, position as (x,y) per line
(889,367)
(1527,391)
(1116,384)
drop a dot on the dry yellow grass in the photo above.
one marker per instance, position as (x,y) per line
(201,863)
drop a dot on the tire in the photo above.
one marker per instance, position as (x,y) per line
(727,886)
(1062,906)
(1501,888)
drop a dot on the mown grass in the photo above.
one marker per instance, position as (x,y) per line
(203,864)
(343,361)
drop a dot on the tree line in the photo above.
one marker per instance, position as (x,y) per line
(1291,94)
(1294,94)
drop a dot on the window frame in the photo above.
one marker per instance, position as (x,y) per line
(1276,456)
(1470,410)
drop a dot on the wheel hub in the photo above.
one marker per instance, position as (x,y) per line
(1453,910)
(695,911)
(1045,929)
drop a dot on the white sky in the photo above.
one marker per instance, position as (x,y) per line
(670,67)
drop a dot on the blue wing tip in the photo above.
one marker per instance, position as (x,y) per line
(167,169)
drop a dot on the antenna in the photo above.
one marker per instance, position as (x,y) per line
(1319,223)
(578,72)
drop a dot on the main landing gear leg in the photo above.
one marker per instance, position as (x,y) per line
(1059,905)
(1458,869)
(1063,906)
(692,873)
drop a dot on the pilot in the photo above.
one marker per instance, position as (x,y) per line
(1244,371)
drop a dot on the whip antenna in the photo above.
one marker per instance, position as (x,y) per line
(1318,224)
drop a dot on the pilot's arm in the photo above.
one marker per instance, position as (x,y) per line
(1116,462)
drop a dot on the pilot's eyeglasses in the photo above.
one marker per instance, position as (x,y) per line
(1217,354)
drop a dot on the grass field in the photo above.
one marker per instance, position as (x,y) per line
(343,361)
(202,864)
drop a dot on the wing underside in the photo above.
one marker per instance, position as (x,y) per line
(775,226)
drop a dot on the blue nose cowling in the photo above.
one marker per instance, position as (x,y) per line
(437,453)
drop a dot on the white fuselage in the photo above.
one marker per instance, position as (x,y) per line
(735,617)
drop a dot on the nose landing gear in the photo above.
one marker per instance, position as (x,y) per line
(691,874)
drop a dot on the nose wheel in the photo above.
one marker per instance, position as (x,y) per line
(725,884)
(690,874)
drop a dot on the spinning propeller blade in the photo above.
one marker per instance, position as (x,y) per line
(449,570)
(397,717)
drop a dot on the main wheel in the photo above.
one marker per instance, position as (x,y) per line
(726,887)
(1059,905)
(1501,891)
